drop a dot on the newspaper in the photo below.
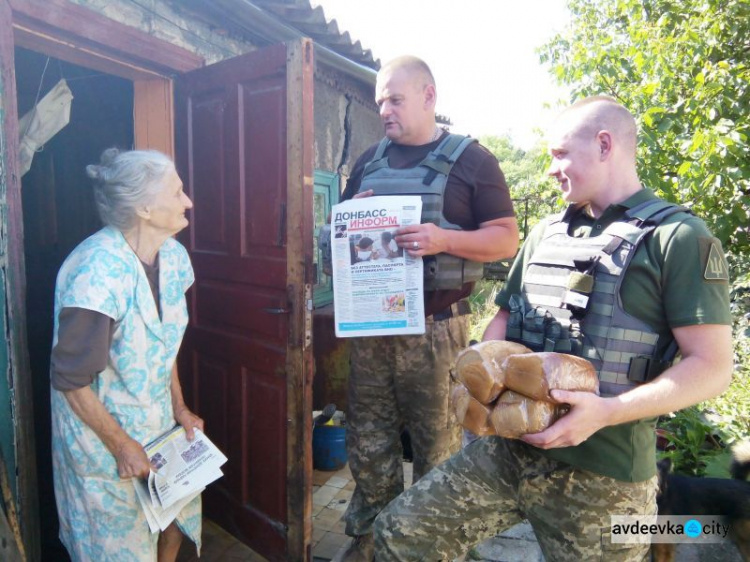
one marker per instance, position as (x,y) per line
(378,287)
(181,470)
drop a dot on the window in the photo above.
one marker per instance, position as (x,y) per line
(326,195)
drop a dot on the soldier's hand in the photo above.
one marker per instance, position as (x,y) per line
(367,193)
(588,414)
(422,239)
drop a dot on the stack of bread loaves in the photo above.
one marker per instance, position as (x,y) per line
(505,388)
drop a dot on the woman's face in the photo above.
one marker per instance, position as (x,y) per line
(167,211)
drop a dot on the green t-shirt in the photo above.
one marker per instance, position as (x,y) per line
(678,277)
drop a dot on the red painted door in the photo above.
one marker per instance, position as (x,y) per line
(244,151)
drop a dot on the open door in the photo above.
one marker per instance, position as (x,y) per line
(244,144)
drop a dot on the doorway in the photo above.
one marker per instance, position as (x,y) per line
(272,221)
(58,213)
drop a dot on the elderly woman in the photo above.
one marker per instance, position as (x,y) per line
(120,314)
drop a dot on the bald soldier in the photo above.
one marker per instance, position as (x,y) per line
(467,219)
(623,279)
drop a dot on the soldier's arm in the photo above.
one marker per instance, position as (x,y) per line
(704,372)
(495,330)
(494,240)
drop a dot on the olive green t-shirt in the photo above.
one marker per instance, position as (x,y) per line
(678,277)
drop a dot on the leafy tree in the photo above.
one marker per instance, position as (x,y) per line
(535,195)
(681,66)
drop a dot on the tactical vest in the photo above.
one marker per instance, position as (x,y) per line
(428,180)
(571,299)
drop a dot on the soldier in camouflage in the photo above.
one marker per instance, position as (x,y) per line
(404,381)
(599,459)
(498,483)
(422,402)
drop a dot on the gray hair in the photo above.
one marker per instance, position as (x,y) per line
(125,182)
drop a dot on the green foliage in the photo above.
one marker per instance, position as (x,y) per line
(700,437)
(682,68)
(535,195)
(730,412)
(691,441)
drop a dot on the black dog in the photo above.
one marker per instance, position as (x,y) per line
(685,495)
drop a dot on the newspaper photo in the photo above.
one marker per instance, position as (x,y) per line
(181,470)
(377,285)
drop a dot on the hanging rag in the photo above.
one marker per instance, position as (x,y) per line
(43,122)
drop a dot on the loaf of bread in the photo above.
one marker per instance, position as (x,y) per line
(470,413)
(478,367)
(515,415)
(535,374)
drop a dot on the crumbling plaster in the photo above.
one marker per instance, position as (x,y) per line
(346,121)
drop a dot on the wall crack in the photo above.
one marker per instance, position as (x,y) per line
(347,133)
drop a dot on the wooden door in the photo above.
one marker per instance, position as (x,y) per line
(244,144)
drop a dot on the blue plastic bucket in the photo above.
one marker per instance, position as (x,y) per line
(329,447)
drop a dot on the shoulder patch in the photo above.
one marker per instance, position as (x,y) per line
(712,259)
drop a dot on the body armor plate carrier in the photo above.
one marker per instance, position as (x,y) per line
(428,180)
(571,301)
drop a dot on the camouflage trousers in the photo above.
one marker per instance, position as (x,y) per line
(397,382)
(494,483)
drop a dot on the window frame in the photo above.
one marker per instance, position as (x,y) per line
(326,184)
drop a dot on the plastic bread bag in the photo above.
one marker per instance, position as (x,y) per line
(515,415)
(479,368)
(470,413)
(535,374)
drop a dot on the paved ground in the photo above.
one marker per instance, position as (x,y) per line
(520,545)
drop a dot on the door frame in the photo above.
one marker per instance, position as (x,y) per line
(74,34)
(299,380)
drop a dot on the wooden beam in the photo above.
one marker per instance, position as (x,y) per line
(87,33)
(18,360)
(300,138)
(69,51)
(153,115)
